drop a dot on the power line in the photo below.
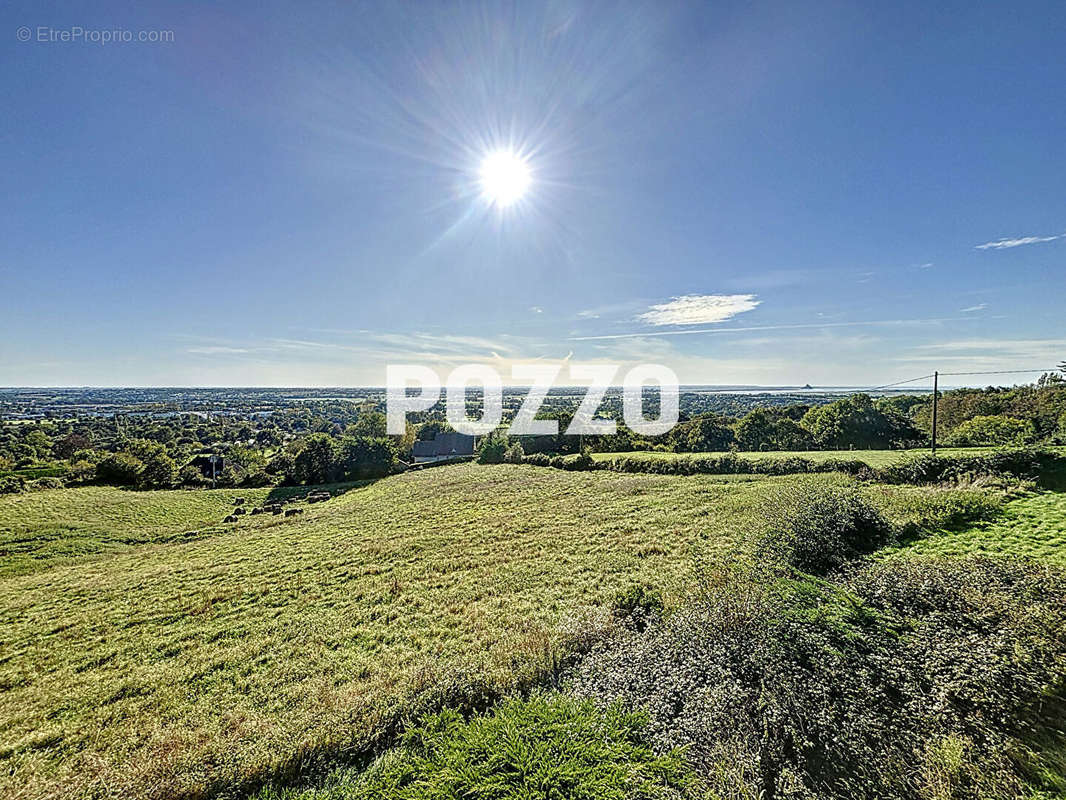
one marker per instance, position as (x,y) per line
(1001,371)
(899,383)
(984,372)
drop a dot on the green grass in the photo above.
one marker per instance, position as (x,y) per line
(41,529)
(1034,527)
(186,664)
(54,470)
(137,660)
(549,745)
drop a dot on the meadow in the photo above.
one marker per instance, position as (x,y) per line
(1034,527)
(150,651)
(192,662)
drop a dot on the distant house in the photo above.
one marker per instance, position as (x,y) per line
(443,447)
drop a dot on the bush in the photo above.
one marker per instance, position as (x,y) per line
(492,450)
(514,454)
(548,745)
(12,484)
(192,477)
(638,604)
(42,484)
(817,528)
(921,511)
(119,469)
(904,676)
(581,462)
(1023,463)
(81,471)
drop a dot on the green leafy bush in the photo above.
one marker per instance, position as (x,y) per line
(907,679)
(819,527)
(41,484)
(119,469)
(12,484)
(1020,463)
(492,450)
(992,430)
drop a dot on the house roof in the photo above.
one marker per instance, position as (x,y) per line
(446,444)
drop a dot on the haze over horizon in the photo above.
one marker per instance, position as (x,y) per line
(824,193)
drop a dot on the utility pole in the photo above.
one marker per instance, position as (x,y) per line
(936,376)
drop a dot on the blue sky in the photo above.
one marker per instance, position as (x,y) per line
(775,193)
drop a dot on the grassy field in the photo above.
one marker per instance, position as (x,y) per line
(139,659)
(189,663)
(1034,527)
(875,458)
(41,529)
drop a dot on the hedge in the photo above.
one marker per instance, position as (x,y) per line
(1023,464)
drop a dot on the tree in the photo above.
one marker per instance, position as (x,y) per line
(851,422)
(493,448)
(39,441)
(703,435)
(514,454)
(755,431)
(69,445)
(119,469)
(315,463)
(371,424)
(159,471)
(790,435)
(993,430)
(366,457)
(428,431)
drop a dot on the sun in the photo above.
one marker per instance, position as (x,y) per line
(505,177)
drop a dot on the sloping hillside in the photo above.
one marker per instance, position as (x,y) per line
(201,662)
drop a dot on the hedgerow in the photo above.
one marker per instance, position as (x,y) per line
(1021,464)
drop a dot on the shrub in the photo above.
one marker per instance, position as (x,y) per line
(42,484)
(921,511)
(12,484)
(548,745)
(577,463)
(819,527)
(119,469)
(159,471)
(904,676)
(81,471)
(514,454)
(538,459)
(638,604)
(1023,463)
(492,450)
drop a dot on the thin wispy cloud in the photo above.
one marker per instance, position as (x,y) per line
(746,328)
(214,350)
(1004,244)
(699,309)
(970,309)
